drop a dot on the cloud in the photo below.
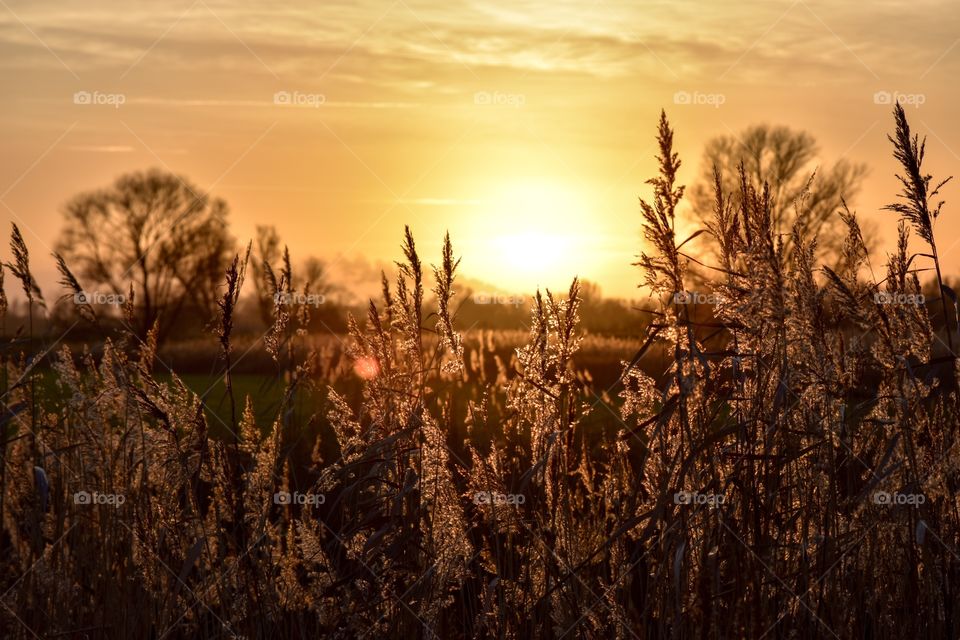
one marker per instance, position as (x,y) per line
(102,148)
(367,44)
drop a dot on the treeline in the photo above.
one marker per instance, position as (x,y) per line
(152,249)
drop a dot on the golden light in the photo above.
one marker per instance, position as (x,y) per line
(367,367)
(536,254)
(531,233)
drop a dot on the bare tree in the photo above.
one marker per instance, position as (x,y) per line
(157,233)
(785,159)
(267,257)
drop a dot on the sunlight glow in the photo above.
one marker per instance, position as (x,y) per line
(534,253)
(534,233)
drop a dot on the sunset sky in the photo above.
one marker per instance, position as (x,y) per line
(526,128)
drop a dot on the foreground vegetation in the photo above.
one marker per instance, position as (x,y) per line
(791,472)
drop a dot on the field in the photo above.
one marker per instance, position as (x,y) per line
(784,466)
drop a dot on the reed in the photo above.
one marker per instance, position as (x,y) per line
(787,470)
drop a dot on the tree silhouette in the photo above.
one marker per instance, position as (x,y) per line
(785,159)
(156,233)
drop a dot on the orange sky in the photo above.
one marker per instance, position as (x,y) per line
(512,124)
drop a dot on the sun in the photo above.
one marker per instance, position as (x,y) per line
(534,253)
(532,233)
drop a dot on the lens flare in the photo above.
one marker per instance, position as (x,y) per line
(367,367)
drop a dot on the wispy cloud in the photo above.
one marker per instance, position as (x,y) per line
(692,38)
(101,148)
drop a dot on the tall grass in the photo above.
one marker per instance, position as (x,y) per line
(792,472)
